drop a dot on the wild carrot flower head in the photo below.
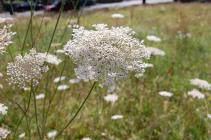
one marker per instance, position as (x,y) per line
(200,83)
(106,54)
(4,133)
(3,109)
(196,94)
(26,69)
(5,37)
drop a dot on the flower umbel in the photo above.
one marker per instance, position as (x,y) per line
(4,133)
(26,69)
(3,109)
(5,37)
(106,54)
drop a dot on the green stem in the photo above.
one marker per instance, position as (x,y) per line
(36,115)
(77,112)
(57,22)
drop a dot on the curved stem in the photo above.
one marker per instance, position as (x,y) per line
(77,112)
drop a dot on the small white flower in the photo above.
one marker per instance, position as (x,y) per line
(40,96)
(22,135)
(116,117)
(196,94)
(111,98)
(52,134)
(3,109)
(4,133)
(1,75)
(27,89)
(59,79)
(165,93)
(62,87)
(155,51)
(50,58)
(200,83)
(209,116)
(59,51)
(74,81)
(86,138)
(103,134)
(153,38)
(117,16)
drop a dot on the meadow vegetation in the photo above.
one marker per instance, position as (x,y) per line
(184,30)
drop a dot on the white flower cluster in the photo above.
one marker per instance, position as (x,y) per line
(155,51)
(196,94)
(111,98)
(52,134)
(153,38)
(4,133)
(3,109)
(50,58)
(117,16)
(106,54)
(5,38)
(200,83)
(165,93)
(59,79)
(26,69)
(116,117)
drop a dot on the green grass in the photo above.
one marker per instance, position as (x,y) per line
(146,114)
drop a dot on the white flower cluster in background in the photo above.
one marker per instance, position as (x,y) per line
(74,81)
(50,58)
(111,98)
(4,133)
(153,38)
(200,83)
(117,117)
(26,69)
(5,37)
(155,51)
(40,96)
(59,79)
(117,16)
(3,109)
(165,93)
(62,87)
(196,94)
(52,134)
(86,138)
(106,54)
(22,135)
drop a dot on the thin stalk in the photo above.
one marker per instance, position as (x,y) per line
(77,112)
(51,99)
(27,119)
(27,31)
(57,23)
(36,115)
(10,53)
